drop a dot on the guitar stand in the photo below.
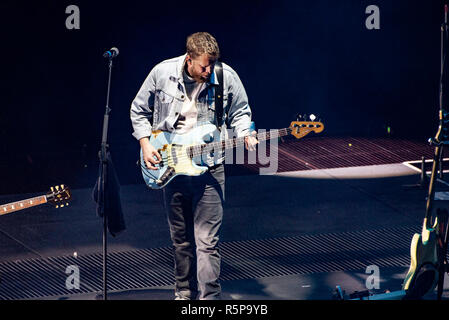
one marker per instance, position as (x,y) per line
(443,266)
(423,180)
(440,141)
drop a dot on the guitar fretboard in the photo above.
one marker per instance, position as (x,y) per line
(205,148)
(19,205)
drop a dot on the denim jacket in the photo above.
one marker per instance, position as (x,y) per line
(159,101)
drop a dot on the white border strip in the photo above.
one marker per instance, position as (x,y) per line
(428,173)
(408,164)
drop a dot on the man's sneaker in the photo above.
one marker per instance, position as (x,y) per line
(180,296)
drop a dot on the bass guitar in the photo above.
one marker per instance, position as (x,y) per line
(58,195)
(183,154)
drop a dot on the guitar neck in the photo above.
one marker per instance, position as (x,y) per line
(20,205)
(205,148)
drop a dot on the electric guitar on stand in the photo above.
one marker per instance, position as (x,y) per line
(423,274)
(428,249)
(427,254)
(183,154)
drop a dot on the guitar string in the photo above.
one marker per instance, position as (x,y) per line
(186,158)
(240,141)
(236,142)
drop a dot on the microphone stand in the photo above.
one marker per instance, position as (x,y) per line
(103,155)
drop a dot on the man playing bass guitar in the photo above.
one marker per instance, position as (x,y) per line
(178,95)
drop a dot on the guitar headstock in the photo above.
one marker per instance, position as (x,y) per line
(301,127)
(59,195)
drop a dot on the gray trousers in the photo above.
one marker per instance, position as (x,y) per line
(194,207)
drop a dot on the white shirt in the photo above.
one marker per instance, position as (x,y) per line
(189,113)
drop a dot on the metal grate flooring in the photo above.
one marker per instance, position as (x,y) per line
(328,152)
(250,259)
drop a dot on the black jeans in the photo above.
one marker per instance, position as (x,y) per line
(194,207)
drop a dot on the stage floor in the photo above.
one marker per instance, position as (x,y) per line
(293,235)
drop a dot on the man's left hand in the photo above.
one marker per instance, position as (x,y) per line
(251,141)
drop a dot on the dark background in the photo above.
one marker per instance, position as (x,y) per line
(292,56)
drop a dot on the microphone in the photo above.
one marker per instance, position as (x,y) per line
(111,53)
(446,9)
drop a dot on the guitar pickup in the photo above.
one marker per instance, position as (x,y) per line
(167,174)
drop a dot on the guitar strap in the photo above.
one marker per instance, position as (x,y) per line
(219,93)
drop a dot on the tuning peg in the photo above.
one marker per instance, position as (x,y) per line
(57,206)
(299,117)
(52,189)
(312,117)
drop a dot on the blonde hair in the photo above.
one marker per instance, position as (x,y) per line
(202,42)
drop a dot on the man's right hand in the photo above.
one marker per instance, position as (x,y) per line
(149,153)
